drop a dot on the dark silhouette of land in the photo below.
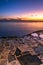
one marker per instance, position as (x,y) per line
(19,20)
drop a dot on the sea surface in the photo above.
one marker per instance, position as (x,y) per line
(19,28)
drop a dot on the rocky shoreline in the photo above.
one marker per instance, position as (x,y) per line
(13,48)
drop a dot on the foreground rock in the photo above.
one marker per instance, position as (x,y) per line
(27,50)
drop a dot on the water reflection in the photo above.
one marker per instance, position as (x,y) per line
(19,29)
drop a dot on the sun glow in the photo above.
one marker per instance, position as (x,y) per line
(36,17)
(27,16)
(33,16)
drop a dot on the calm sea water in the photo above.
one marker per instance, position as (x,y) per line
(19,29)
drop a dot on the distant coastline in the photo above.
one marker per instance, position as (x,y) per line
(19,20)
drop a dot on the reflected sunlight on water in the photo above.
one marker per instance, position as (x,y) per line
(19,28)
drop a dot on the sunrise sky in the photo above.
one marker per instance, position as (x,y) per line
(24,9)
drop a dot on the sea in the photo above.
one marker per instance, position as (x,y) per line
(19,28)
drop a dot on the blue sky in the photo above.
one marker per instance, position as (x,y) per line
(20,7)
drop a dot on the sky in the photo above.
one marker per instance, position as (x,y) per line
(25,9)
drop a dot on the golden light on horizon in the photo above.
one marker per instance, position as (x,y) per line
(27,16)
(34,17)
